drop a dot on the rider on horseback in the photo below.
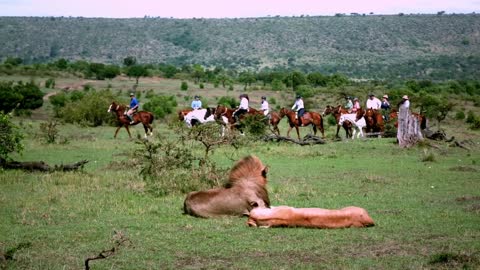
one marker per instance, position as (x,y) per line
(242,108)
(196,103)
(133,108)
(299,108)
(265,108)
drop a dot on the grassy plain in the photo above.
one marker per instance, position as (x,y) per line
(427,213)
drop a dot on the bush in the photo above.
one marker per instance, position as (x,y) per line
(20,96)
(470,117)
(201,86)
(229,102)
(160,106)
(49,131)
(475,125)
(460,115)
(50,83)
(184,86)
(10,137)
(90,109)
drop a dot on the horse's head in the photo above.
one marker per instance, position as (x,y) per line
(328,110)
(113,107)
(360,113)
(283,112)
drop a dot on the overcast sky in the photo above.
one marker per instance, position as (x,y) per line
(227,8)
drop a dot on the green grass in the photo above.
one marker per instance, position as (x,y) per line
(426,213)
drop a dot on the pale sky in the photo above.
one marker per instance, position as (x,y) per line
(227,8)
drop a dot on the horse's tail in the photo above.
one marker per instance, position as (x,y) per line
(423,123)
(151,118)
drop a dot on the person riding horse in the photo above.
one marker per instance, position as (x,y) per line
(196,103)
(242,108)
(133,108)
(298,106)
(265,108)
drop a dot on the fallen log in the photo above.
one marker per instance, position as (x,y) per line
(41,166)
(307,140)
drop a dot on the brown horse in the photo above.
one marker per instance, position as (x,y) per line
(337,112)
(421,118)
(223,111)
(373,119)
(183,113)
(245,190)
(285,216)
(309,118)
(274,121)
(144,117)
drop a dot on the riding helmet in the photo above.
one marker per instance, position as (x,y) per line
(264,97)
(298,96)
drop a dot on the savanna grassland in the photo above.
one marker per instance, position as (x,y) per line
(425,200)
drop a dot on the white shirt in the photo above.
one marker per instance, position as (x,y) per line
(405,105)
(298,104)
(374,103)
(243,104)
(264,107)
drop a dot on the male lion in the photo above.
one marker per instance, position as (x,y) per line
(245,190)
(285,216)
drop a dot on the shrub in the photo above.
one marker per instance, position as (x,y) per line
(201,86)
(49,131)
(160,106)
(228,101)
(184,86)
(10,137)
(50,83)
(475,125)
(20,96)
(470,117)
(460,115)
(90,109)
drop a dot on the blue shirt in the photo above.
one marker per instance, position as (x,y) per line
(196,104)
(133,102)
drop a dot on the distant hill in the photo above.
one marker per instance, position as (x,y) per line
(363,47)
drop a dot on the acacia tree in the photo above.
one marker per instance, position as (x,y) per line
(137,71)
(435,107)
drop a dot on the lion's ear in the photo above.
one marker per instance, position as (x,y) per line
(265,171)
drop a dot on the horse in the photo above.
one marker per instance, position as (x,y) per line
(274,121)
(223,111)
(373,119)
(182,113)
(144,117)
(357,124)
(201,116)
(285,216)
(337,112)
(244,190)
(421,118)
(309,118)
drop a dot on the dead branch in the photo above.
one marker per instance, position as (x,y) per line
(307,140)
(120,240)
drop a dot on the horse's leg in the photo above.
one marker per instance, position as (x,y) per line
(116,132)
(298,132)
(128,130)
(338,130)
(288,131)
(146,130)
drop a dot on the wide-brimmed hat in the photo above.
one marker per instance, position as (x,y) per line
(405,97)
(385,96)
(355,98)
(132,94)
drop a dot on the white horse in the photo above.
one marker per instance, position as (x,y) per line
(203,116)
(360,124)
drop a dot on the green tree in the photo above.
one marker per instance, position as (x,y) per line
(247,78)
(129,61)
(20,96)
(198,73)
(137,71)
(184,86)
(10,137)
(14,61)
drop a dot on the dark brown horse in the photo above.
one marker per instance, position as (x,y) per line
(144,117)
(183,113)
(337,112)
(373,119)
(309,118)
